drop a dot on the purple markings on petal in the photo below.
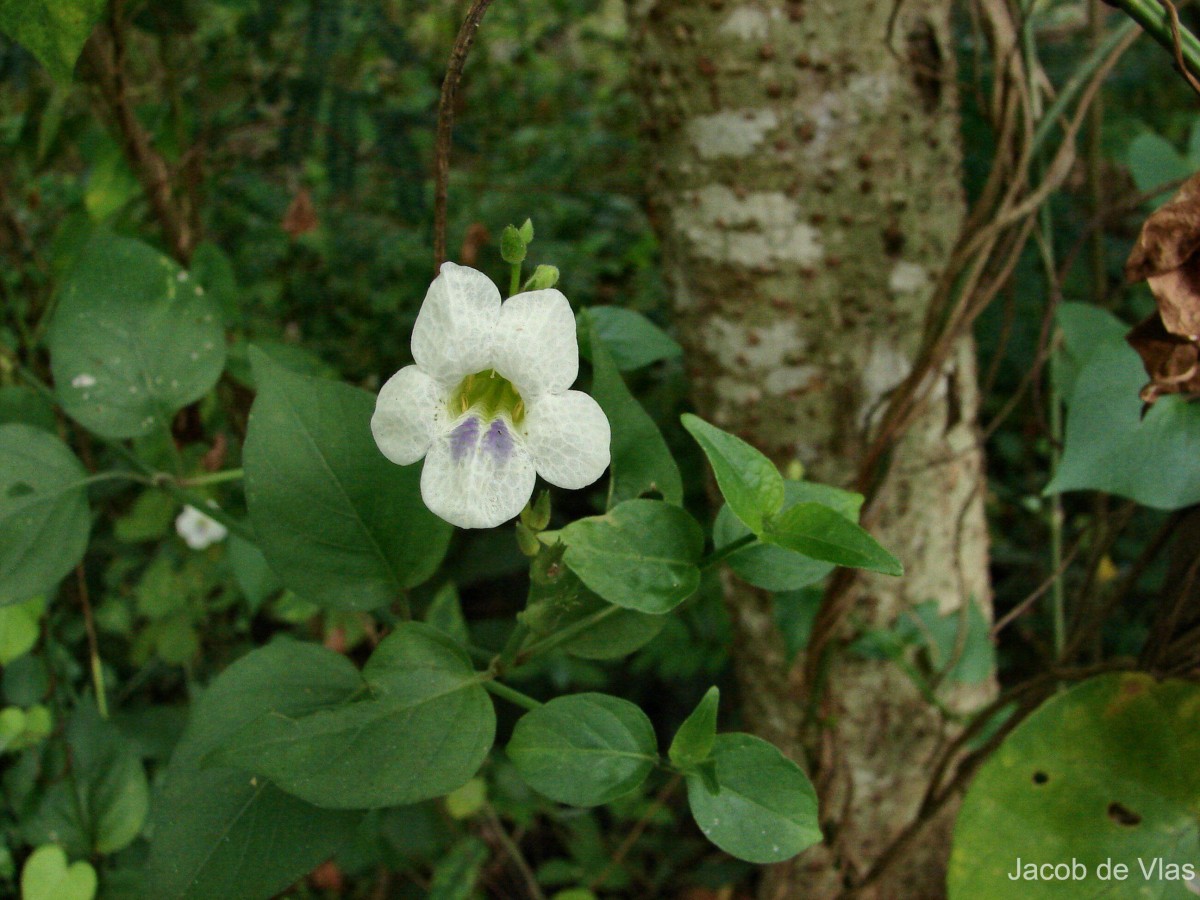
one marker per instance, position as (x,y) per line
(463,438)
(498,442)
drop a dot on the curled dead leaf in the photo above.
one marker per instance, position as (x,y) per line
(1167,255)
(1171,360)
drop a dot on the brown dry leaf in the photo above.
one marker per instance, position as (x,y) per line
(1167,255)
(301,215)
(1171,361)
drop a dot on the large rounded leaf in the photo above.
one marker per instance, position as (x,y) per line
(220,833)
(1108,772)
(420,727)
(755,804)
(338,523)
(134,339)
(44,519)
(584,749)
(640,555)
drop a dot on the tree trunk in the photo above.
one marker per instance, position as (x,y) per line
(806,184)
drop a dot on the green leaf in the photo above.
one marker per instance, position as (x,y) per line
(1106,771)
(1108,445)
(338,523)
(958,644)
(47,876)
(220,833)
(641,461)
(101,808)
(694,740)
(818,531)
(584,749)
(1153,162)
(632,339)
(134,339)
(149,519)
(526,232)
(764,809)
(44,517)
(254,576)
(512,247)
(20,626)
(640,555)
(419,726)
(618,635)
(26,406)
(769,566)
(749,482)
(52,30)
(446,615)
(456,873)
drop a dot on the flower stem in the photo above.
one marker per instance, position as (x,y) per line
(213,478)
(514,283)
(512,696)
(511,647)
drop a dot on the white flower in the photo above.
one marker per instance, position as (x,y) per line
(487,402)
(198,530)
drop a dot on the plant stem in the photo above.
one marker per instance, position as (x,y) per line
(711,559)
(514,283)
(561,637)
(212,478)
(512,696)
(89,624)
(1155,17)
(511,647)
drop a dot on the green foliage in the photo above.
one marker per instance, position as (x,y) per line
(1109,445)
(339,524)
(749,482)
(19,628)
(134,339)
(1102,772)
(44,516)
(584,749)
(219,832)
(53,30)
(693,741)
(771,566)
(418,725)
(100,805)
(763,809)
(641,462)
(815,530)
(47,876)
(640,555)
(631,339)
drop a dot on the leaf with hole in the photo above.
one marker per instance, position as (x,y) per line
(1108,770)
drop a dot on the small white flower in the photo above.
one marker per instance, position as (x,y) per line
(487,402)
(198,530)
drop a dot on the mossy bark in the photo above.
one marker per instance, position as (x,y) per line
(806,184)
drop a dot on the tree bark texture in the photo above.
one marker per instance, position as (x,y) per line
(805,179)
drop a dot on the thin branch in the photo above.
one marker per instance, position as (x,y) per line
(445,124)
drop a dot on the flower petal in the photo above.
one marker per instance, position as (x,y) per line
(410,410)
(534,345)
(452,336)
(568,436)
(478,474)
